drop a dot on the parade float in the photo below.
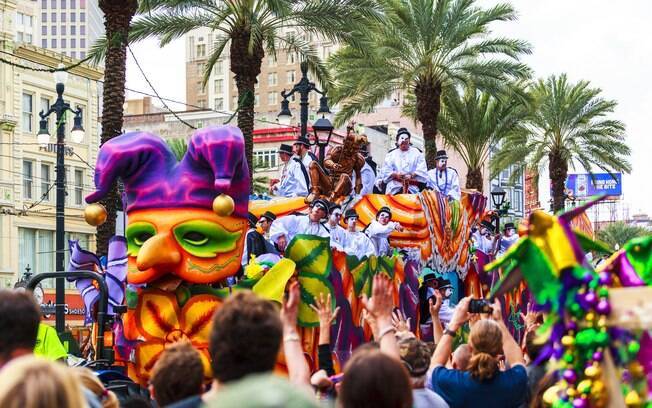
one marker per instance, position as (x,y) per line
(187,221)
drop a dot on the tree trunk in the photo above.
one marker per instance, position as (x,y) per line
(428,103)
(246,68)
(558,169)
(117,19)
(474,179)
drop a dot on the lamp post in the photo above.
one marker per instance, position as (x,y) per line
(322,128)
(498,199)
(59,109)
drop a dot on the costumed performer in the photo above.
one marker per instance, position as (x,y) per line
(333,226)
(446,290)
(404,168)
(255,243)
(426,292)
(284,154)
(483,238)
(443,178)
(356,242)
(368,173)
(379,230)
(285,228)
(508,239)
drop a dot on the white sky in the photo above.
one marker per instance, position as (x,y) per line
(605,42)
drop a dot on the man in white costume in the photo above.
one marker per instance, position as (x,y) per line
(333,226)
(379,230)
(368,173)
(356,242)
(483,239)
(508,239)
(405,166)
(285,228)
(443,178)
(284,154)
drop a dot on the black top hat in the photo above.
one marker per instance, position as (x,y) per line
(488,225)
(252,220)
(285,148)
(441,154)
(302,140)
(269,216)
(350,213)
(443,283)
(323,204)
(509,225)
(384,210)
(333,206)
(429,277)
(403,131)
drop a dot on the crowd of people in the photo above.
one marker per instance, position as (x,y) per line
(395,369)
(404,171)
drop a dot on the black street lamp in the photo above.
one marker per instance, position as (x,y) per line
(322,128)
(498,199)
(59,108)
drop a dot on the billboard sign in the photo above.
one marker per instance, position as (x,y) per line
(586,185)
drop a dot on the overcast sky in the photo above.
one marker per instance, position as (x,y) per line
(602,41)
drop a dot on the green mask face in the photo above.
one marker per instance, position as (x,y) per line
(205,239)
(137,234)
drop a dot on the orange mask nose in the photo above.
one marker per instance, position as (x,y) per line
(158,251)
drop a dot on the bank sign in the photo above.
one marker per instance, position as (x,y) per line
(586,185)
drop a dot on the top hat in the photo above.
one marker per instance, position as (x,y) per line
(252,219)
(384,210)
(285,148)
(302,140)
(321,203)
(403,131)
(509,225)
(350,213)
(488,225)
(441,154)
(334,206)
(429,277)
(443,283)
(269,216)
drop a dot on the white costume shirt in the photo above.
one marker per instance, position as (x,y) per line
(358,244)
(337,234)
(399,161)
(482,243)
(295,183)
(447,182)
(506,242)
(368,180)
(291,225)
(379,236)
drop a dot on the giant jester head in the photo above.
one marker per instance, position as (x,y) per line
(186,219)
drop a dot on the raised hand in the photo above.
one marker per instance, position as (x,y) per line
(400,323)
(323,308)
(436,305)
(290,308)
(381,303)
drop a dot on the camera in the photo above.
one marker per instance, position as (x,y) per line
(480,306)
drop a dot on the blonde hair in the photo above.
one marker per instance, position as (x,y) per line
(32,382)
(90,381)
(486,340)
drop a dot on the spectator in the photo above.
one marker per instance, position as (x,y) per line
(31,382)
(91,382)
(263,391)
(415,355)
(461,357)
(19,323)
(535,372)
(483,384)
(177,375)
(48,344)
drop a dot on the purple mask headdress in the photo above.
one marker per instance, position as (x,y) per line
(214,164)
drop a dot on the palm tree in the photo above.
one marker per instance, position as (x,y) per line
(253,29)
(425,47)
(476,122)
(618,233)
(117,18)
(569,125)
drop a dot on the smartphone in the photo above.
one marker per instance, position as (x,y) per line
(480,306)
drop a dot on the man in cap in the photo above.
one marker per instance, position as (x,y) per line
(444,179)
(508,239)
(333,226)
(297,180)
(405,167)
(426,292)
(254,241)
(356,242)
(445,288)
(379,230)
(285,228)
(301,150)
(265,222)
(368,172)
(484,239)
(285,154)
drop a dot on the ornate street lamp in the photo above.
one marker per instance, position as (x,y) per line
(498,199)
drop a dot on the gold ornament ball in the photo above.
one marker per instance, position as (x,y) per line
(95,214)
(592,372)
(223,205)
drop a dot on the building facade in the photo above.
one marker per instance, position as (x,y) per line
(69,26)
(27,169)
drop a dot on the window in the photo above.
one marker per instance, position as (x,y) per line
(27,21)
(271,98)
(28,111)
(53,17)
(45,105)
(218,68)
(44,4)
(219,103)
(504,175)
(27,250)
(36,250)
(45,254)
(53,30)
(271,61)
(82,54)
(73,4)
(79,186)
(201,50)
(517,205)
(82,16)
(63,42)
(44,17)
(219,86)
(63,4)
(73,30)
(28,38)
(82,4)
(272,79)
(44,43)
(53,4)
(19,37)
(19,18)
(291,77)
(63,17)
(256,100)
(28,179)
(73,17)
(82,30)
(73,54)
(265,158)
(234,103)
(292,58)
(82,43)
(44,30)
(53,43)
(45,181)
(73,43)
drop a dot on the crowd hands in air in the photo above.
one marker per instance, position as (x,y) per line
(395,369)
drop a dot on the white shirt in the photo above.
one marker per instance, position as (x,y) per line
(399,161)
(291,225)
(295,183)
(337,234)
(379,236)
(482,243)
(506,242)
(368,180)
(447,182)
(358,244)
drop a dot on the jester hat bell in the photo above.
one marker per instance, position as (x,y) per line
(214,167)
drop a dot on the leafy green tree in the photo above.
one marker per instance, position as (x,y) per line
(476,122)
(425,48)
(569,125)
(618,233)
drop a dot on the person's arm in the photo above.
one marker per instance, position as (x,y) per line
(511,350)
(280,229)
(298,370)
(326,315)
(437,330)
(380,307)
(445,346)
